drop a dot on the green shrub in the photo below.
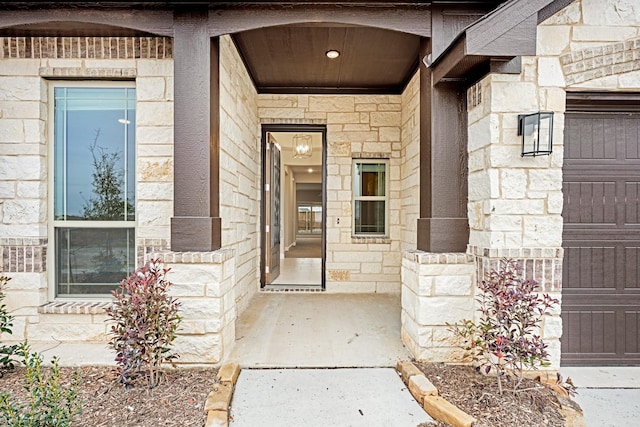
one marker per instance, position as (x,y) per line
(146,320)
(51,403)
(7,352)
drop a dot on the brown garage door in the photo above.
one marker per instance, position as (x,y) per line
(601,239)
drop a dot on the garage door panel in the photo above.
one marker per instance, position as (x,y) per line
(632,331)
(586,136)
(589,331)
(589,267)
(601,238)
(630,130)
(590,202)
(632,199)
(632,268)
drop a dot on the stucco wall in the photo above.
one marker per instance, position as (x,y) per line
(358,126)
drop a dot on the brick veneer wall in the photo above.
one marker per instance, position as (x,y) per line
(86,47)
(23,255)
(600,61)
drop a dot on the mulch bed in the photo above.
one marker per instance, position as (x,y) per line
(177,401)
(478,395)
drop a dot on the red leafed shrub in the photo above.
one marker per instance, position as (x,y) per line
(505,339)
(145,323)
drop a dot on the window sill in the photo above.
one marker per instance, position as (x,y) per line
(74,307)
(370,239)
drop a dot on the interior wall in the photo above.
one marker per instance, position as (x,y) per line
(239,170)
(290,210)
(309,196)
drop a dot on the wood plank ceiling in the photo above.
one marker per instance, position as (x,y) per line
(291,59)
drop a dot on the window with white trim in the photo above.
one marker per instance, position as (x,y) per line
(370,197)
(93,186)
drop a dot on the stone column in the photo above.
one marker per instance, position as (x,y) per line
(515,203)
(436,289)
(203,283)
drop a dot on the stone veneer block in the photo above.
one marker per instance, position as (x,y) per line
(219,398)
(407,370)
(228,373)
(423,311)
(444,411)
(217,419)
(420,387)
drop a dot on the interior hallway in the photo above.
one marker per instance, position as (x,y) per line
(302,264)
(319,330)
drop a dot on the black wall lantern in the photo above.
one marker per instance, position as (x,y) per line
(537,133)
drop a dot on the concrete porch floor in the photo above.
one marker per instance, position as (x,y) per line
(319,330)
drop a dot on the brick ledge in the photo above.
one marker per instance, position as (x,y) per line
(74,307)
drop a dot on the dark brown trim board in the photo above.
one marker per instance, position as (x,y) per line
(196,225)
(507,32)
(443,224)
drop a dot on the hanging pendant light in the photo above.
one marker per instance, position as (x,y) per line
(302,148)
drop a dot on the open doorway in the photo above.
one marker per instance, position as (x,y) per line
(293,207)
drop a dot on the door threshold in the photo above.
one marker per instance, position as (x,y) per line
(292,288)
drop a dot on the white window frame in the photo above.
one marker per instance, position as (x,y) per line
(52,222)
(384,198)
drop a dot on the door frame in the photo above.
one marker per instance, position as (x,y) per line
(292,128)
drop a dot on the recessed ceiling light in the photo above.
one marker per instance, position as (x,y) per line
(309,170)
(332,54)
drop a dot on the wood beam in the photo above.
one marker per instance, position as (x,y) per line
(196,225)
(411,19)
(157,22)
(443,224)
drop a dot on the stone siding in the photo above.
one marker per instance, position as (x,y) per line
(24,151)
(515,203)
(239,170)
(593,45)
(358,126)
(26,67)
(204,284)
(410,166)
(437,289)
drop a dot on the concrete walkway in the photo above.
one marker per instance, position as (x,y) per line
(319,330)
(609,396)
(368,397)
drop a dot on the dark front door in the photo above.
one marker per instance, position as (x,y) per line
(601,271)
(272,211)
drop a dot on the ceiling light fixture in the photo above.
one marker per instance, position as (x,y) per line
(302,146)
(332,54)
(310,170)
